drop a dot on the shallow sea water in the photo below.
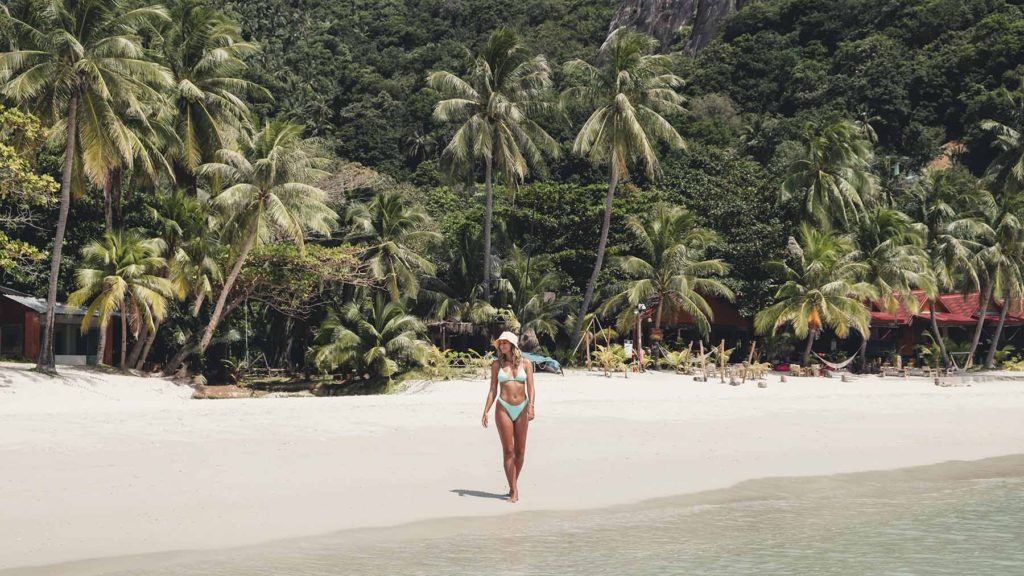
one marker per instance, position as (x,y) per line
(961,518)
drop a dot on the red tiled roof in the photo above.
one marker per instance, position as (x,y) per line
(947,319)
(960,304)
(950,310)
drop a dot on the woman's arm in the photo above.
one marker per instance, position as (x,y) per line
(530,390)
(492,393)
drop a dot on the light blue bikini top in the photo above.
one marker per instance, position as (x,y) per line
(504,377)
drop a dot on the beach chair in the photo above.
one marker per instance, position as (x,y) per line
(890,370)
(762,369)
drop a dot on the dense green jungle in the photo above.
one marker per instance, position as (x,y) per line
(367,191)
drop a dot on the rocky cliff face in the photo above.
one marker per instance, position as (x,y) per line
(662,18)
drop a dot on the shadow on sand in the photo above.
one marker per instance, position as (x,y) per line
(479,494)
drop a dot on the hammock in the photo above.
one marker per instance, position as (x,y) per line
(837,366)
(696,359)
(952,358)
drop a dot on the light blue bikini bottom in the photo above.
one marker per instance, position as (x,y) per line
(514,410)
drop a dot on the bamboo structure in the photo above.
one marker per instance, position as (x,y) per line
(721,360)
(749,366)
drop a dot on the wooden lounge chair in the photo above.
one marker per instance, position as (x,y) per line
(890,370)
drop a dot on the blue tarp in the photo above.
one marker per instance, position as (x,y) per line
(543,363)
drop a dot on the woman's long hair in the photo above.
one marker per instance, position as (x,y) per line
(516,356)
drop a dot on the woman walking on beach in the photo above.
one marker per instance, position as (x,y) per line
(515,406)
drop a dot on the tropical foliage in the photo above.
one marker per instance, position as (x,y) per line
(23,192)
(121,273)
(283,169)
(832,177)
(625,98)
(268,194)
(372,342)
(497,109)
(390,229)
(71,56)
(671,269)
(823,286)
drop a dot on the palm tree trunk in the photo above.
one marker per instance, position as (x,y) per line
(807,351)
(145,349)
(990,358)
(864,352)
(45,361)
(225,291)
(986,296)
(101,347)
(140,341)
(124,337)
(657,330)
(183,352)
(115,190)
(488,217)
(108,204)
(185,179)
(112,196)
(198,304)
(189,347)
(937,334)
(601,245)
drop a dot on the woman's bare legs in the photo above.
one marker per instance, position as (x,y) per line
(506,432)
(519,429)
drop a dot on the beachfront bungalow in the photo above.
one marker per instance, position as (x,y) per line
(956,315)
(454,334)
(727,323)
(21,317)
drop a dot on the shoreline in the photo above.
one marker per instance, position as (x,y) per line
(867,481)
(113,478)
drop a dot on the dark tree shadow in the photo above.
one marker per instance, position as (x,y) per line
(479,494)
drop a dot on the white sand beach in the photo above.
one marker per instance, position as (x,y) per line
(99,465)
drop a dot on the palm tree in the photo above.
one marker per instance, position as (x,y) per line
(456,293)
(206,54)
(1007,169)
(892,249)
(824,288)
(496,106)
(948,203)
(1002,260)
(390,229)
(122,272)
(833,175)
(146,128)
(71,57)
(1006,173)
(671,267)
(193,254)
(420,146)
(530,285)
(626,98)
(993,259)
(185,225)
(268,194)
(376,339)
